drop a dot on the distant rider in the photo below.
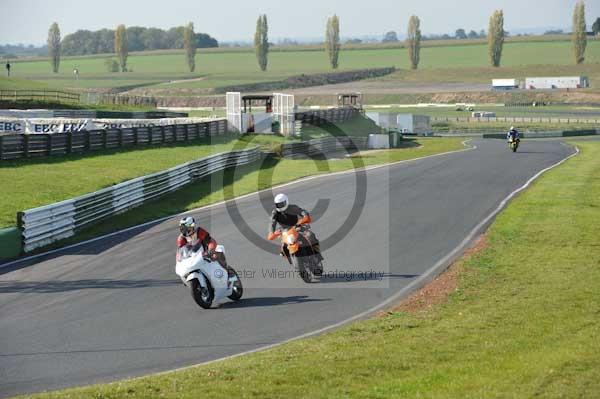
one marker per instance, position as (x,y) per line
(512,134)
(196,238)
(288,215)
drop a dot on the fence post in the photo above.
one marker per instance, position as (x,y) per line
(104,138)
(186,129)
(49,143)
(69,142)
(1,146)
(26,145)
(87,145)
(163,136)
(21,227)
(120,138)
(135,136)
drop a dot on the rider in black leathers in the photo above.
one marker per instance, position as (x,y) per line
(288,215)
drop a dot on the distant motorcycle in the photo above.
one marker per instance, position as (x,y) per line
(300,253)
(206,278)
(513,144)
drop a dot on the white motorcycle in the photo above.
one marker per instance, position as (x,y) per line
(207,279)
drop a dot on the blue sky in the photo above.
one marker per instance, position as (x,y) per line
(27,21)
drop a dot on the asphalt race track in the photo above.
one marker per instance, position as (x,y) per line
(114,308)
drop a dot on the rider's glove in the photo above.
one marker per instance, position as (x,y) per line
(209,254)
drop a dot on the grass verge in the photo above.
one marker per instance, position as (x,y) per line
(37,182)
(523,321)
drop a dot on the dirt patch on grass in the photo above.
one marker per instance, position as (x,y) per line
(438,290)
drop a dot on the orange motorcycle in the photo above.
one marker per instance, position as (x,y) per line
(300,252)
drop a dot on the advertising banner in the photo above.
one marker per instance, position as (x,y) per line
(59,125)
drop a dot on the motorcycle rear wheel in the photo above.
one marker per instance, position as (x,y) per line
(202,296)
(238,289)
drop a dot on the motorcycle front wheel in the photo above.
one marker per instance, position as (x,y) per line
(317,266)
(305,272)
(203,296)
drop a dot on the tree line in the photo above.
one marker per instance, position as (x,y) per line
(139,38)
(123,40)
(495,35)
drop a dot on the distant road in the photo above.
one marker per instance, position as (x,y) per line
(392,87)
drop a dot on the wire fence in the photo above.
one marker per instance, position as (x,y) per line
(516,119)
(38,95)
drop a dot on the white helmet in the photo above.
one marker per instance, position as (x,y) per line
(187,226)
(281,202)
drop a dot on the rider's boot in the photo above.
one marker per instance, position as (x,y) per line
(316,246)
(220,257)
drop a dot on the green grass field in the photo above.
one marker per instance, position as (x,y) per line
(47,180)
(523,322)
(214,69)
(21,84)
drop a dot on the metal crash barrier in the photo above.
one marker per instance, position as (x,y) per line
(47,224)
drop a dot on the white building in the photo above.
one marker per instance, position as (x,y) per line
(415,124)
(562,82)
(385,120)
(505,84)
(404,123)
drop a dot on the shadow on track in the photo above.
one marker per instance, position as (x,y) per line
(374,277)
(36,287)
(270,301)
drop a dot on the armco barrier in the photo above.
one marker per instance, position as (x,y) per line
(14,146)
(324,145)
(47,224)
